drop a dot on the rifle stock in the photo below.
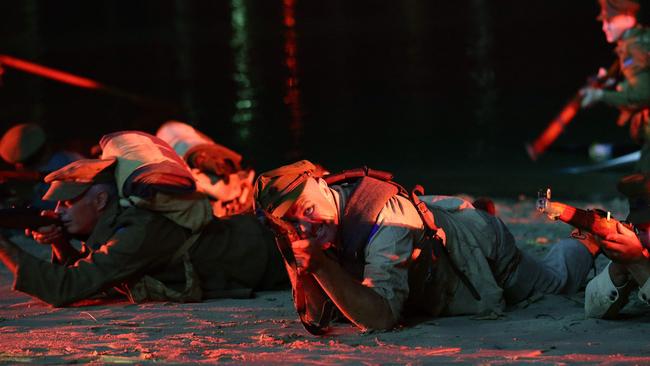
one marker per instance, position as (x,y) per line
(596,222)
(25,218)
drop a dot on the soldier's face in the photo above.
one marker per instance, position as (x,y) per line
(615,27)
(315,214)
(79,215)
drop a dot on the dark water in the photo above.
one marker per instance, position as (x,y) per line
(445,93)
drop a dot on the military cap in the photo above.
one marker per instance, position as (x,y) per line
(636,188)
(21,142)
(276,190)
(611,8)
(74,179)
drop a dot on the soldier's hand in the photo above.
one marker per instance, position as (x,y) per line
(624,246)
(309,254)
(591,242)
(590,96)
(47,234)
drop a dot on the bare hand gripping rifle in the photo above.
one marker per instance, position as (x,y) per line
(566,115)
(596,222)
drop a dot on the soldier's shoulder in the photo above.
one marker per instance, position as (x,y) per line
(133,215)
(643,37)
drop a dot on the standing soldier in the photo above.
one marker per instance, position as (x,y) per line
(632,95)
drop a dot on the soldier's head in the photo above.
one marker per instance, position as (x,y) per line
(296,193)
(23,146)
(617,17)
(83,189)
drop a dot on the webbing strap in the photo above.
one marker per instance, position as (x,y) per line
(439,245)
(185,247)
(359,218)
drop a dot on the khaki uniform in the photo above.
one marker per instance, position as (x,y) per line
(632,95)
(136,251)
(470,238)
(479,244)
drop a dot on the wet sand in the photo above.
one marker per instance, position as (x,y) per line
(547,329)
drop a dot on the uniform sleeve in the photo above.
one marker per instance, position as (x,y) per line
(633,93)
(389,246)
(601,295)
(129,253)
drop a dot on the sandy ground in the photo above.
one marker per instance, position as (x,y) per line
(265,330)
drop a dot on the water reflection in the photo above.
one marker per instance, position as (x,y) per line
(292,93)
(244,91)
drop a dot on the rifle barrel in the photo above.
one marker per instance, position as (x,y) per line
(25,218)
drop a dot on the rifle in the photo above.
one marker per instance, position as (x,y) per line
(596,222)
(18,176)
(25,218)
(314,307)
(566,115)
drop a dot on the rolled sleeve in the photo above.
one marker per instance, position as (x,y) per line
(600,295)
(388,250)
(635,93)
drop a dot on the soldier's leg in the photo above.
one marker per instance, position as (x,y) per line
(563,271)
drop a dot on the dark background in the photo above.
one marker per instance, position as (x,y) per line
(443,93)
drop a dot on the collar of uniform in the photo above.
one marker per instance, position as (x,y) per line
(106,226)
(632,32)
(340,194)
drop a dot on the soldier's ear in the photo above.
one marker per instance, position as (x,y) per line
(101,200)
(322,185)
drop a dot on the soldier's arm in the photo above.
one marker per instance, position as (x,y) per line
(360,304)
(635,93)
(133,250)
(62,251)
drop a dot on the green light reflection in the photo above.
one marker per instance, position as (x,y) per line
(245,94)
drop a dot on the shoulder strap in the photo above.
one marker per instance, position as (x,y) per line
(435,235)
(367,200)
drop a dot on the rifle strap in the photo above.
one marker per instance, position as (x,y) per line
(187,244)
(434,232)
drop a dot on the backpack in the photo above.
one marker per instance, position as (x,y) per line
(150,175)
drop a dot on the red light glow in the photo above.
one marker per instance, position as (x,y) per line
(49,73)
